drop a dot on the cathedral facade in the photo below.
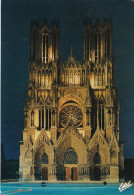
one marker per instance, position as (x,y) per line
(71,112)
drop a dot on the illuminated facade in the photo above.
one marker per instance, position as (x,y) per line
(71,111)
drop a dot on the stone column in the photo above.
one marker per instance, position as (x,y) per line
(85,113)
(89,117)
(51,118)
(112,117)
(38,118)
(41,119)
(107,118)
(44,118)
(45,49)
(48,117)
(55,117)
(101,116)
(97,116)
(104,118)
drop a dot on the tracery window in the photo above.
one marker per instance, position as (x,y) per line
(97,159)
(36,159)
(73,112)
(44,159)
(70,156)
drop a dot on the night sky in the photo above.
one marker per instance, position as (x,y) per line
(16,17)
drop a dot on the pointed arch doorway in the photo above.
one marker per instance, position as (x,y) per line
(97,174)
(70,161)
(44,162)
(44,173)
(97,171)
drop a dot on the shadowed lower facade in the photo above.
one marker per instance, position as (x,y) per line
(71,111)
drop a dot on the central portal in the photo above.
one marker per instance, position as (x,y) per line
(97,174)
(70,159)
(67,174)
(74,173)
(44,173)
(71,173)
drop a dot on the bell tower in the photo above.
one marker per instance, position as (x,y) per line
(44,42)
(97,41)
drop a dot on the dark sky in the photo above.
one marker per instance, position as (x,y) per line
(16,17)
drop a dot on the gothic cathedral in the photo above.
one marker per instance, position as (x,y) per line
(71,112)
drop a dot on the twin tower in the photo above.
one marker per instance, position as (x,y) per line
(45,41)
(71,112)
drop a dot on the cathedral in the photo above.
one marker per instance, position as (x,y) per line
(71,111)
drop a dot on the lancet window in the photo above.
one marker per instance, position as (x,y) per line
(44,159)
(41,118)
(45,118)
(97,46)
(101,116)
(101,113)
(36,159)
(97,159)
(45,47)
(48,117)
(32,118)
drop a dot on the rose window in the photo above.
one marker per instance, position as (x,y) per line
(71,112)
(70,156)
